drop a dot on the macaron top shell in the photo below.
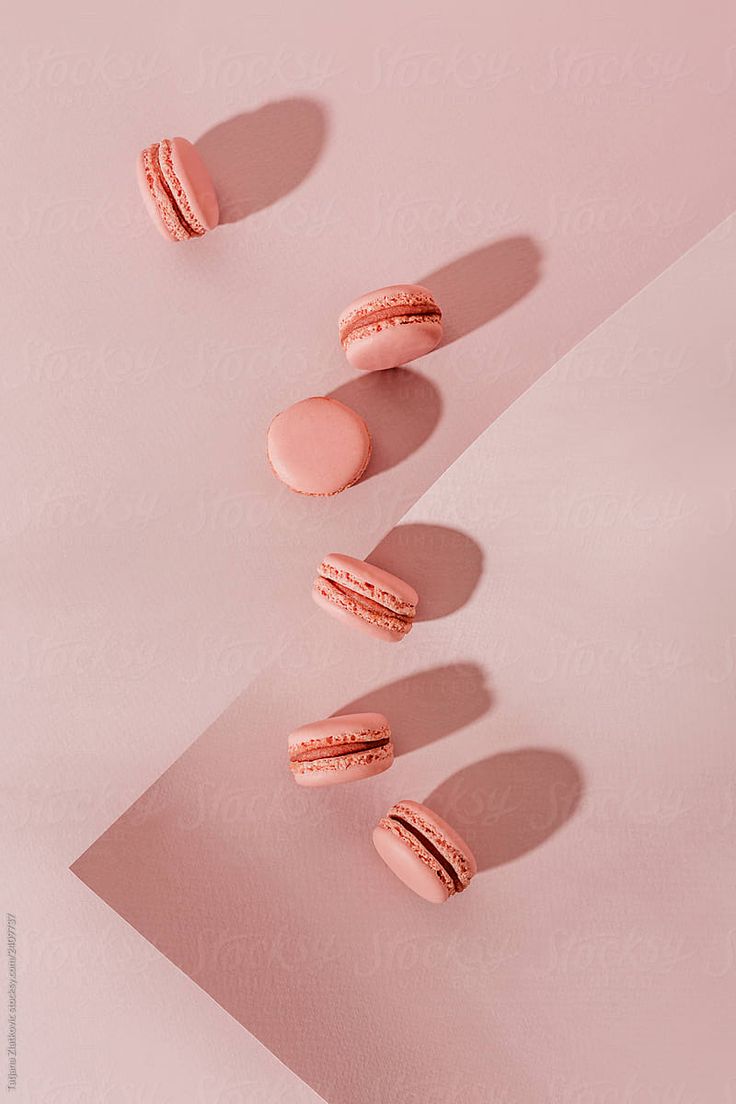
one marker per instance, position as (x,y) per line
(355,611)
(319,446)
(372,582)
(346,729)
(197,189)
(409,298)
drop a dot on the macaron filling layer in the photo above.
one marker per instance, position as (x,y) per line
(167,192)
(342,751)
(450,865)
(401,308)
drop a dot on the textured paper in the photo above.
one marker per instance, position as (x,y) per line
(540,166)
(566,701)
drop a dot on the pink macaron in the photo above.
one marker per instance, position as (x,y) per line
(341,749)
(177,189)
(424,851)
(365,596)
(390,327)
(318,446)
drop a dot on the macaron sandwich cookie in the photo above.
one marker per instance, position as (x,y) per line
(390,327)
(318,446)
(365,596)
(177,189)
(421,849)
(341,749)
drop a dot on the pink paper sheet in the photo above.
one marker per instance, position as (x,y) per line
(566,700)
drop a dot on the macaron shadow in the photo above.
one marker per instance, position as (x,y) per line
(401,408)
(443,565)
(510,803)
(258,157)
(428,705)
(483,284)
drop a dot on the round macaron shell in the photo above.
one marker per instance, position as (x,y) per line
(392,345)
(331,728)
(387,292)
(408,867)
(196,182)
(319,446)
(366,624)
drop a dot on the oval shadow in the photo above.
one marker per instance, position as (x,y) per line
(259,156)
(510,803)
(401,408)
(428,705)
(442,564)
(478,287)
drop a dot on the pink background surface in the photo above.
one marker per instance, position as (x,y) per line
(536,169)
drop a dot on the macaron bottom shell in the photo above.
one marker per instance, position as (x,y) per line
(393,346)
(356,614)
